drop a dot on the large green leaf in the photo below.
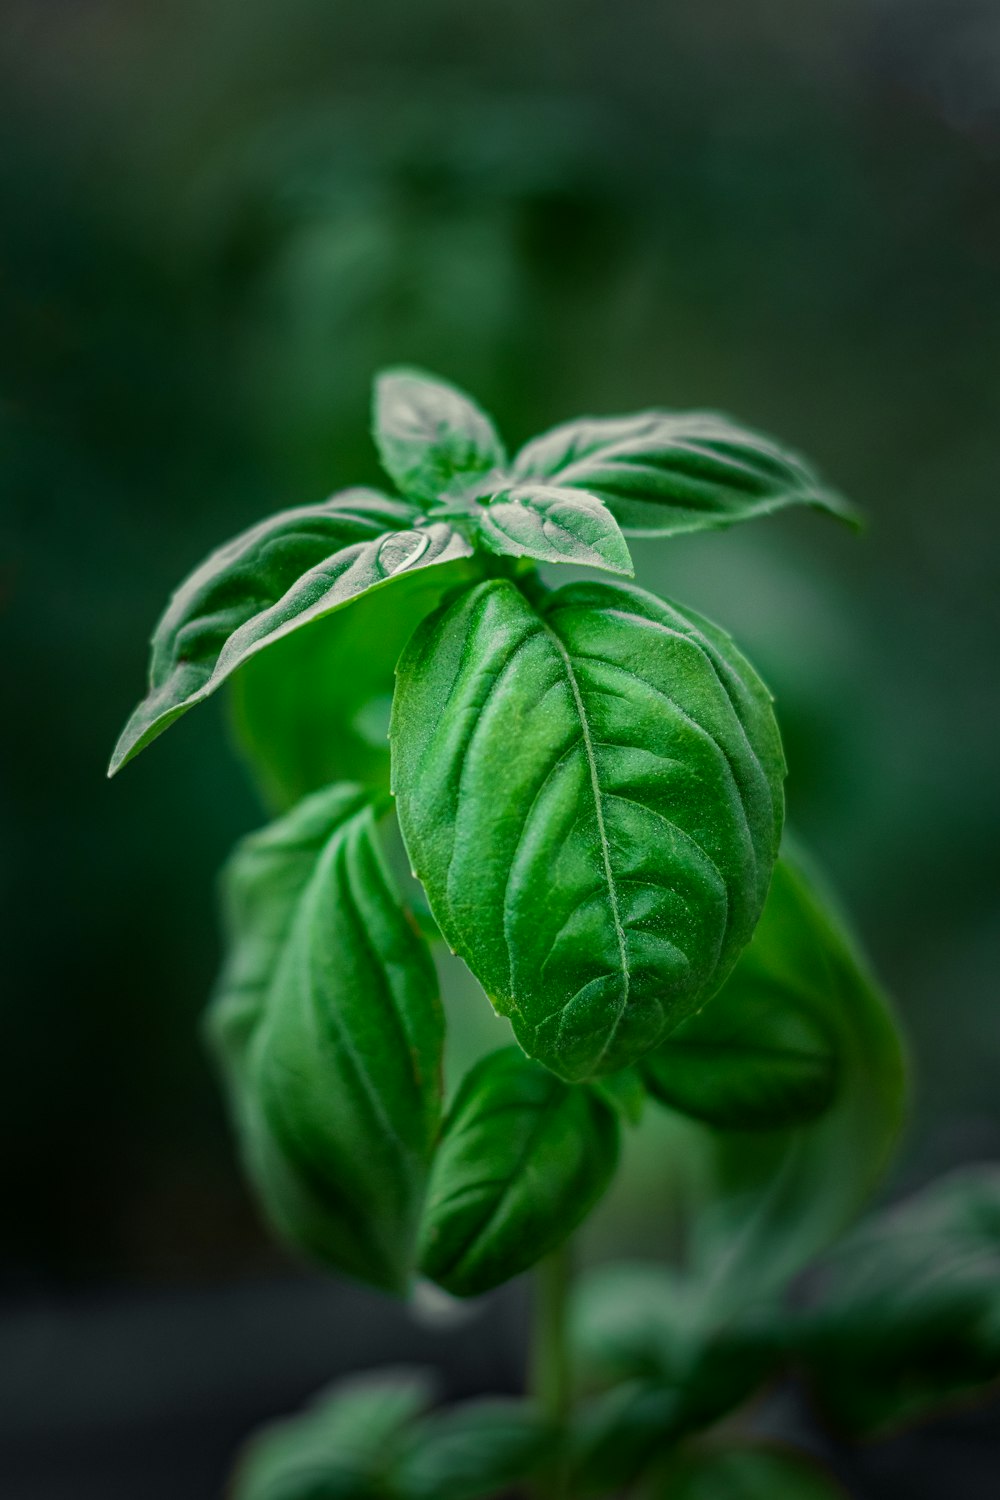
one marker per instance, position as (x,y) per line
(330,1031)
(761,1055)
(522,1159)
(314,707)
(661,473)
(909,1312)
(744,1471)
(338,1448)
(280,575)
(479,1448)
(759,1205)
(590,791)
(554,525)
(432,439)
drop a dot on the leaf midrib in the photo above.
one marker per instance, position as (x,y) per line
(588,748)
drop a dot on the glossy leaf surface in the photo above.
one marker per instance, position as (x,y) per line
(522,1159)
(761,1055)
(590,791)
(554,525)
(432,439)
(909,1313)
(339,1447)
(280,575)
(745,1471)
(758,1206)
(330,1030)
(662,473)
(314,708)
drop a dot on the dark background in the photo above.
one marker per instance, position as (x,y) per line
(217,222)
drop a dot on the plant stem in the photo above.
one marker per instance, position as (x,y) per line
(550,1364)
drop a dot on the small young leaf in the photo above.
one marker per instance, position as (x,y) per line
(522,1160)
(744,1471)
(303,713)
(760,1056)
(432,439)
(909,1316)
(662,473)
(554,525)
(330,1031)
(338,1448)
(590,792)
(480,1448)
(273,579)
(759,1205)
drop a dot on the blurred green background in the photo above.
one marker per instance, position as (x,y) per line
(218,221)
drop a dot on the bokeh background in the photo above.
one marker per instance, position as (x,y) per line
(217,222)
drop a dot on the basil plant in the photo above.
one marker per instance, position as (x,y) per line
(587,782)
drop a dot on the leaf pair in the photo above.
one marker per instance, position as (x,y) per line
(557,503)
(569,494)
(330,1032)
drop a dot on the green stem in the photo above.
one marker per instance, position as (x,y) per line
(551,1376)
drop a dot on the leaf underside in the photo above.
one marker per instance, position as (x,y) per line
(590,792)
(275,578)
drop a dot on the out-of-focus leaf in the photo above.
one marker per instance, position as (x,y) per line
(432,439)
(636,1327)
(625,1092)
(616,1435)
(758,1206)
(910,1311)
(271,580)
(330,1032)
(339,1447)
(591,793)
(477,1449)
(314,708)
(522,1159)
(661,473)
(744,1471)
(555,526)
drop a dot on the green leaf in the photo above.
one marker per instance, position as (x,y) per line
(522,1160)
(554,525)
(909,1315)
(625,1092)
(477,1449)
(432,439)
(330,1031)
(745,1471)
(590,791)
(305,716)
(761,1055)
(636,1322)
(633,1325)
(616,1435)
(339,1447)
(661,473)
(280,575)
(758,1206)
